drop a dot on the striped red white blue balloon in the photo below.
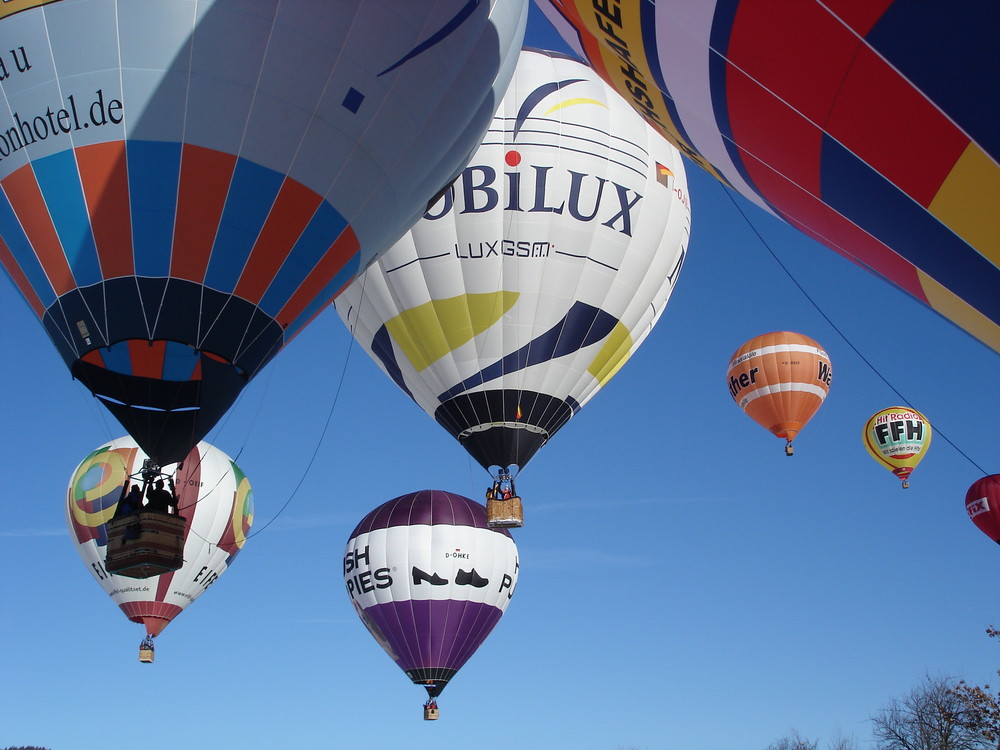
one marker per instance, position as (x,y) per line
(185,185)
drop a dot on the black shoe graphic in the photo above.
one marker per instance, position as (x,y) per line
(472,578)
(420,576)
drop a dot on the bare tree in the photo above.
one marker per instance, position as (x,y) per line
(982,707)
(840,742)
(793,741)
(931,717)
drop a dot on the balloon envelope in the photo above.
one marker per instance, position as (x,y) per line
(780,380)
(526,287)
(898,438)
(183,185)
(982,502)
(430,580)
(215,498)
(834,116)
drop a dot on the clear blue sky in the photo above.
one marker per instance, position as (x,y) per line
(684,585)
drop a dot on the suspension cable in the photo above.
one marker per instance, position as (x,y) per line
(834,326)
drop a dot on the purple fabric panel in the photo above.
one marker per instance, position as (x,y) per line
(426,507)
(434,634)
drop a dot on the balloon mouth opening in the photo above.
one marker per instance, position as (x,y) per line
(154,625)
(433,680)
(434,688)
(786,433)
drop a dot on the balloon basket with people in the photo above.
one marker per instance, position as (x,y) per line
(431,711)
(146,535)
(214,513)
(146,650)
(503,506)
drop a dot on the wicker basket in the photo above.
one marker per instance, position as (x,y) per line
(504,514)
(145,544)
(146,655)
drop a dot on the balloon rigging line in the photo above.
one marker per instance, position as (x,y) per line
(319,443)
(834,325)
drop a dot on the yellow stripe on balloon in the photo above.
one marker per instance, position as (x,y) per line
(427,332)
(965,202)
(615,353)
(573,102)
(619,32)
(243,512)
(10,7)
(959,312)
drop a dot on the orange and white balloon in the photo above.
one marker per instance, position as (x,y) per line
(779,380)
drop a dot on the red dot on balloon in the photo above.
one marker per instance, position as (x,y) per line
(513,158)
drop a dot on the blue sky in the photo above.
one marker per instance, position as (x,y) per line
(683,586)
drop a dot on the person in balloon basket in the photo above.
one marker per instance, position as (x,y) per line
(161,499)
(131,503)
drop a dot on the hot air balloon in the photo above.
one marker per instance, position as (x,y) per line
(780,380)
(183,186)
(430,580)
(864,125)
(526,287)
(898,438)
(214,498)
(982,502)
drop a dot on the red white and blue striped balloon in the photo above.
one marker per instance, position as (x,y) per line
(430,580)
(185,184)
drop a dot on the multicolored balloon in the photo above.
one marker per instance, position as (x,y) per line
(215,498)
(982,502)
(780,380)
(530,283)
(898,438)
(832,116)
(185,185)
(430,581)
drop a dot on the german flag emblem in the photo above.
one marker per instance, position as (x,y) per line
(662,174)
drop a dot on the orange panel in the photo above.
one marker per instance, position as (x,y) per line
(204,186)
(104,172)
(291,212)
(29,206)
(8,262)
(147,358)
(342,250)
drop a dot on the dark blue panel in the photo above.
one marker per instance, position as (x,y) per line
(59,181)
(251,196)
(323,229)
(583,325)
(24,254)
(948,50)
(852,188)
(179,362)
(382,348)
(718,67)
(153,171)
(116,358)
(344,276)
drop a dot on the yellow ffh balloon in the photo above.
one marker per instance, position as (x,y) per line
(898,437)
